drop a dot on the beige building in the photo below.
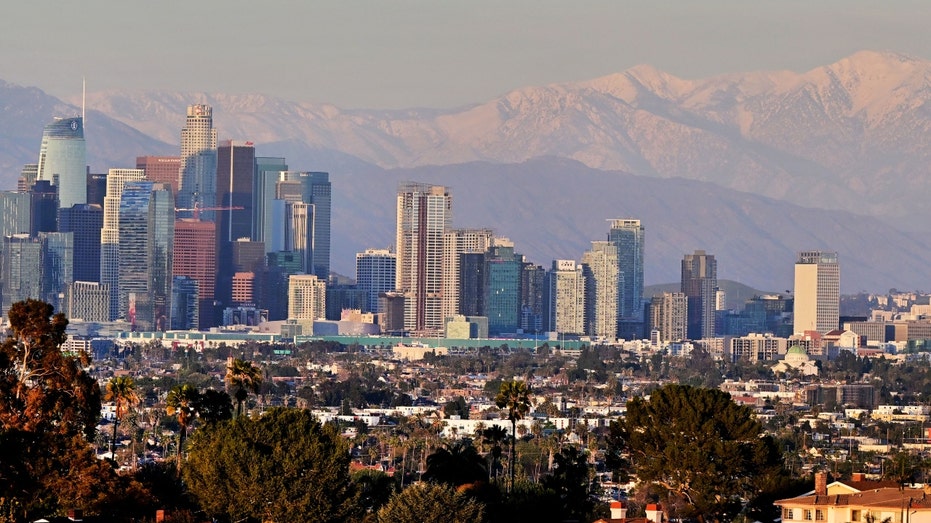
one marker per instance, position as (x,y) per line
(757,347)
(601,281)
(669,316)
(817,291)
(424,215)
(306,298)
(857,501)
(564,298)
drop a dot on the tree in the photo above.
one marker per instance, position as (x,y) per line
(182,401)
(243,377)
(49,407)
(456,464)
(699,447)
(43,389)
(282,466)
(494,436)
(431,502)
(121,390)
(515,397)
(214,406)
(572,483)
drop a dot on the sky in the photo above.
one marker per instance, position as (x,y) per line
(441,54)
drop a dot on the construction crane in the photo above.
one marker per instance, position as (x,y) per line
(197,209)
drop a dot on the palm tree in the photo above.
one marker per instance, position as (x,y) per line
(456,464)
(243,377)
(182,402)
(121,390)
(515,397)
(494,436)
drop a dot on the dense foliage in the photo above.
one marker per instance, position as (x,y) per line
(281,466)
(703,451)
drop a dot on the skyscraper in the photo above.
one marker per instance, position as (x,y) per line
(600,267)
(185,303)
(375,274)
(817,291)
(194,258)
(669,316)
(503,268)
(700,285)
(424,214)
(457,243)
(110,233)
(57,266)
(306,298)
(43,197)
(161,169)
(88,301)
(198,170)
(146,233)
(267,171)
(22,269)
(86,222)
(318,192)
(531,297)
(63,159)
(627,235)
(235,173)
(564,298)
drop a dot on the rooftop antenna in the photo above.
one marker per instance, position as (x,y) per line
(83,98)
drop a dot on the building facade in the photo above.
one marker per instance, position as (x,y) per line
(700,285)
(817,292)
(601,270)
(110,233)
(564,298)
(669,316)
(424,215)
(198,169)
(375,273)
(628,236)
(63,160)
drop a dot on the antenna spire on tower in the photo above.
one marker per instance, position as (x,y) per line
(83,99)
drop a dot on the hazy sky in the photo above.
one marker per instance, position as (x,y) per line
(432,53)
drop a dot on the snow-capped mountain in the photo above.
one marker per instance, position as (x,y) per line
(852,135)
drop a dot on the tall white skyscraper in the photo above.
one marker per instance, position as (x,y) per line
(817,292)
(62,160)
(110,234)
(198,172)
(424,215)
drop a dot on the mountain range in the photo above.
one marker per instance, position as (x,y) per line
(751,167)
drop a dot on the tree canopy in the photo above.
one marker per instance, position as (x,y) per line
(431,502)
(282,466)
(704,451)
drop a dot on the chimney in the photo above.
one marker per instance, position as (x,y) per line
(75,515)
(821,483)
(618,510)
(858,476)
(654,513)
